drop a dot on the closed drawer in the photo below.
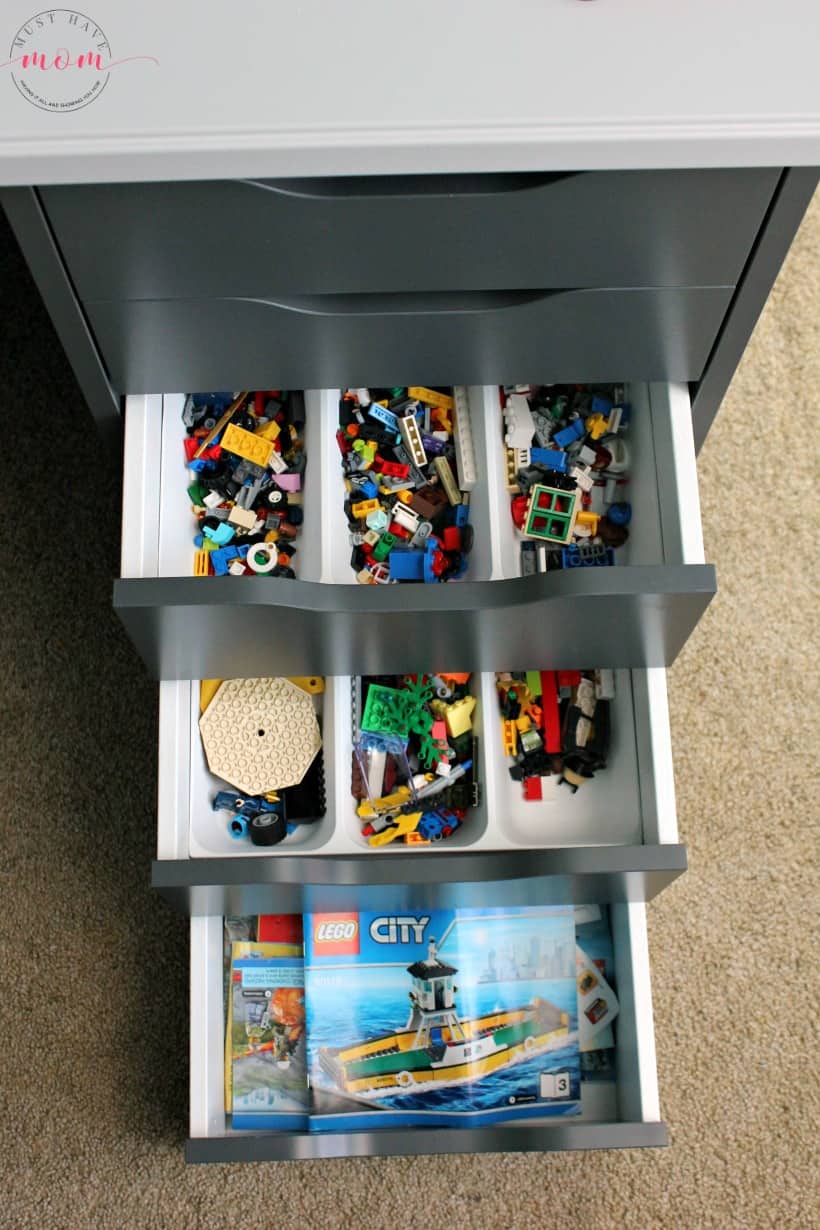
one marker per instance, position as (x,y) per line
(383,339)
(425,233)
(614,840)
(616,1113)
(635,614)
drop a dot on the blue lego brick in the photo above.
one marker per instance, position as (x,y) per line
(601,405)
(406,565)
(567,435)
(384,416)
(587,556)
(551,458)
(461,514)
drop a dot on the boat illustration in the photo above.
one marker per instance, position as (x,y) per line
(437,1048)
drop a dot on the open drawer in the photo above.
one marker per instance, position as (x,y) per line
(617,1113)
(614,840)
(637,613)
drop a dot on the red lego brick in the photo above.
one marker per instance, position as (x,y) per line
(532,789)
(549,712)
(569,679)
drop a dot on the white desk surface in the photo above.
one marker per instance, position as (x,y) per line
(334,87)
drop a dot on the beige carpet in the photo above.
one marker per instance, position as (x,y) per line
(93,1008)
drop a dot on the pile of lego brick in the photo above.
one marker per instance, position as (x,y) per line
(567,473)
(555,723)
(409,465)
(247,463)
(414,757)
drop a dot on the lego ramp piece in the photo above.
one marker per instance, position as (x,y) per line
(260,734)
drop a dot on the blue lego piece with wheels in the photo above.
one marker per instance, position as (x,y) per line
(434,825)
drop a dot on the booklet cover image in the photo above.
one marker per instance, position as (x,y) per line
(266,1042)
(446,1018)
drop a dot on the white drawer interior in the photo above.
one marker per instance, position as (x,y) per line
(631,802)
(158,527)
(631,1097)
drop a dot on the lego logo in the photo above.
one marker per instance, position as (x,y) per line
(336,934)
(331,931)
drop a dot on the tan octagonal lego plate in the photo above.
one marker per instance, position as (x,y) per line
(260,734)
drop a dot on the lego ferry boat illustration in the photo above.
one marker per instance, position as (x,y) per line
(437,1048)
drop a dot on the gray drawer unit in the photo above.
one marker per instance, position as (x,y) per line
(638,613)
(423,233)
(452,337)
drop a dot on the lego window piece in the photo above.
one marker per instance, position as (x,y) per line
(260,735)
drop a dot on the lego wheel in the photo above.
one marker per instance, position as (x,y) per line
(268,829)
(405,1080)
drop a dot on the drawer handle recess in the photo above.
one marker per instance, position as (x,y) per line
(373,187)
(406,303)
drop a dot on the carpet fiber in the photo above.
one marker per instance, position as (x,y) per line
(94,978)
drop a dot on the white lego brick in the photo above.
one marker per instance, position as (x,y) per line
(520,428)
(464,442)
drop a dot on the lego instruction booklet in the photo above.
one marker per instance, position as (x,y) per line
(444,1018)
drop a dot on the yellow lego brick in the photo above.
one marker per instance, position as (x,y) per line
(431,397)
(589,519)
(208,689)
(272,536)
(447,479)
(596,425)
(509,737)
(201,563)
(458,717)
(403,826)
(314,684)
(522,723)
(246,444)
(268,431)
(364,507)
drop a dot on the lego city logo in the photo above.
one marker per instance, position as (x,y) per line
(336,935)
(399,929)
(60,60)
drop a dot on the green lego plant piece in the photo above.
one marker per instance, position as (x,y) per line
(417,695)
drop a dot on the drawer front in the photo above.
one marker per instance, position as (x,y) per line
(469,338)
(482,232)
(619,1113)
(188,627)
(613,840)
